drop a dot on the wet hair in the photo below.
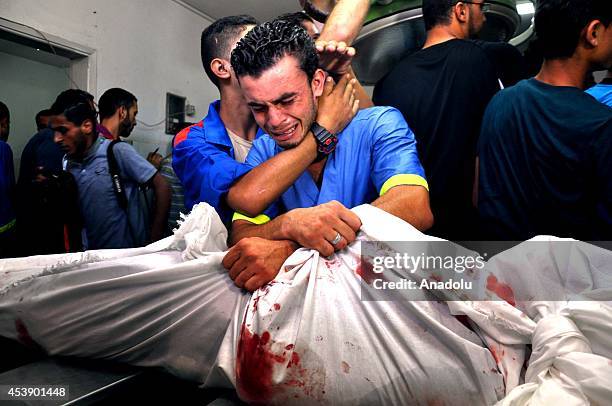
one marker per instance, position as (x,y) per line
(267,43)
(218,39)
(42,113)
(4,111)
(437,12)
(559,24)
(76,105)
(112,99)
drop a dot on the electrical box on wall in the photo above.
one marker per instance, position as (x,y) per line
(175,113)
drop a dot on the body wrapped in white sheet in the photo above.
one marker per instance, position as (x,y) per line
(308,337)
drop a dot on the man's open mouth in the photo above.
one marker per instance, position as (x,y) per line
(284,135)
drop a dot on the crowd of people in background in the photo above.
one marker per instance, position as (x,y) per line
(452,142)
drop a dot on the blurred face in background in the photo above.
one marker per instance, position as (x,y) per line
(5,128)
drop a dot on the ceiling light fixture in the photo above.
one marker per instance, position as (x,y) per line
(525,8)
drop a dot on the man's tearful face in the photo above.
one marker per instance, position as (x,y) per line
(283,101)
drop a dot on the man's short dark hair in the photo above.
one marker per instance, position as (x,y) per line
(42,113)
(76,105)
(4,111)
(266,44)
(437,12)
(297,18)
(219,38)
(112,99)
(559,24)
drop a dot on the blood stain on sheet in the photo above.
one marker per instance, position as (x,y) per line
(289,347)
(295,360)
(255,303)
(23,335)
(255,366)
(496,356)
(502,290)
(277,306)
(346,368)
(436,278)
(366,271)
(319,338)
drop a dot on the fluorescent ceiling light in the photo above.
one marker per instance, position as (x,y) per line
(525,8)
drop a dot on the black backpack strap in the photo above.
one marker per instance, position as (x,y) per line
(113,168)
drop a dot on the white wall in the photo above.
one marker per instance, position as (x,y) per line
(26,88)
(148,47)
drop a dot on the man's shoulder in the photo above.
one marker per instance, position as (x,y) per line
(375,112)
(372,117)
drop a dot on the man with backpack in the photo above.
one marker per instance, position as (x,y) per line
(109,177)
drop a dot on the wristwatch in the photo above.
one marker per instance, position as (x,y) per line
(326,141)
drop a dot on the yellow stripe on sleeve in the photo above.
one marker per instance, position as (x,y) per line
(403,179)
(261,219)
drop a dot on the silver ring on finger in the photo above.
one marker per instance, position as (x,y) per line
(336,239)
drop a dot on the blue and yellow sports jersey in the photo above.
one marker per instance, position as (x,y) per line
(375,152)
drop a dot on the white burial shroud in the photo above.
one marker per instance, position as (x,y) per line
(309,337)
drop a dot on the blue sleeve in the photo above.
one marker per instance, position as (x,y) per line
(132,165)
(206,171)
(395,158)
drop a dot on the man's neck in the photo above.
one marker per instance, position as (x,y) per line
(564,72)
(112,125)
(443,33)
(316,170)
(90,139)
(236,115)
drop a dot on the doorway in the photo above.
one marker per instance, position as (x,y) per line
(34,68)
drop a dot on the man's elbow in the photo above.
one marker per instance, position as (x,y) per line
(241,202)
(426,221)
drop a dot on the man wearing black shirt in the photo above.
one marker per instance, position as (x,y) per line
(442,91)
(546,146)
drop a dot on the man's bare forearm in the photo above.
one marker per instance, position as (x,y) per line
(272,230)
(259,188)
(345,21)
(410,203)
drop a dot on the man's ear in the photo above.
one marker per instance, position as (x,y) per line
(220,68)
(318,82)
(122,113)
(592,32)
(459,10)
(87,127)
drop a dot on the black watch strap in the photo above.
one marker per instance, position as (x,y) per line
(326,141)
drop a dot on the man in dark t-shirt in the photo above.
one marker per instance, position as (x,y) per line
(545,149)
(442,91)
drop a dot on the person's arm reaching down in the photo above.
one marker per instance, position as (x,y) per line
(336,58)
(345,21)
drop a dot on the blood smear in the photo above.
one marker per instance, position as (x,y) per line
(502,290)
